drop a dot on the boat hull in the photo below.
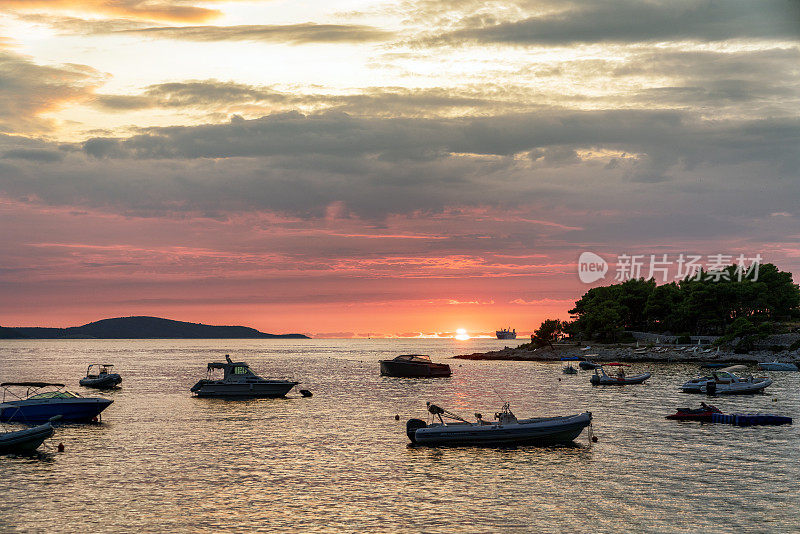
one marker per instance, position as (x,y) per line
(103,382)
(777,366)
(588,366)
(545,431)
(269,389)
(414,370)
(76,410)
(597,380)
(739,388)
(688,414)
(25,441)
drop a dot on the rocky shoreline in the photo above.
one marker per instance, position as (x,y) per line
(630,353)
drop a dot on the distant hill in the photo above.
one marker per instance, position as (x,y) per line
(141,328)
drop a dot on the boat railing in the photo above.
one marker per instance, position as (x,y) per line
(30,388)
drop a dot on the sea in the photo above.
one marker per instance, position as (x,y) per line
(162,460)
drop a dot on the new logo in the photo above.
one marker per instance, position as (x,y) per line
(591,267)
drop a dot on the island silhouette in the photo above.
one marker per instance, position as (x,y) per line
(141,327)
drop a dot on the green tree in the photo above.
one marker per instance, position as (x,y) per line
(547,333)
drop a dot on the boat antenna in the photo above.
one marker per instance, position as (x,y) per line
(500,397)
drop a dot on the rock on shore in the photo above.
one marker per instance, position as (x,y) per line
(628,353)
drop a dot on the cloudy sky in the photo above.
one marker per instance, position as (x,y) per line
(369,167)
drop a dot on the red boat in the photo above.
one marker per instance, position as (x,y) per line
(697,414)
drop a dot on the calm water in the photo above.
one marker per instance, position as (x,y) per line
(339,462)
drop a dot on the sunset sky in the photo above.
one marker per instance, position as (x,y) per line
(367,167)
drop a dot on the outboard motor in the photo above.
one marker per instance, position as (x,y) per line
(412,426)
(711,387)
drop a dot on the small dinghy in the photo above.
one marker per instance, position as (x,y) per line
(100,376)
(588,365)
(568,369)
(27,440)
(724,382)
(704,413)
(506,429)
(777,366)
(600,378)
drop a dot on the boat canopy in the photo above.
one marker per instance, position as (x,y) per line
(32,384)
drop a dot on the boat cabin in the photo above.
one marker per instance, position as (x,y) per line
(97,370)
(231,371)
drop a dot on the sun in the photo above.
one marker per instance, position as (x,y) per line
(461,334)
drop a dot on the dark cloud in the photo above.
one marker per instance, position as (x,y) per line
(629,21)
(666,136)
(289,33)
(208,94)
(368,167)
(34,154)
(229,97)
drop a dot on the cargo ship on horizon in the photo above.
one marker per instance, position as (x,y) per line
(506,333)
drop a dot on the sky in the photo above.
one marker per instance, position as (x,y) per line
(375,168)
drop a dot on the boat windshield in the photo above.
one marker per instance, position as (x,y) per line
(414,358)
(241,370)
(54,395)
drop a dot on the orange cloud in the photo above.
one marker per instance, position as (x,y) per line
(162,10)
(30,90)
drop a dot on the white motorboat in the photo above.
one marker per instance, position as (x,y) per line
(600,378)
(777,366)
(506,429)
(724,382)
(239,381)
(100,376)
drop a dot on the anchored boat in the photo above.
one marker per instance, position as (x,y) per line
(239,381)
(27,440)
(506,429)
(506,333)
(35,406)
(414,366)
(100,376)
(600,378)
(704,413)
(724,382)
(777,366)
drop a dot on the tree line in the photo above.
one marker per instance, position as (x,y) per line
(721,303)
